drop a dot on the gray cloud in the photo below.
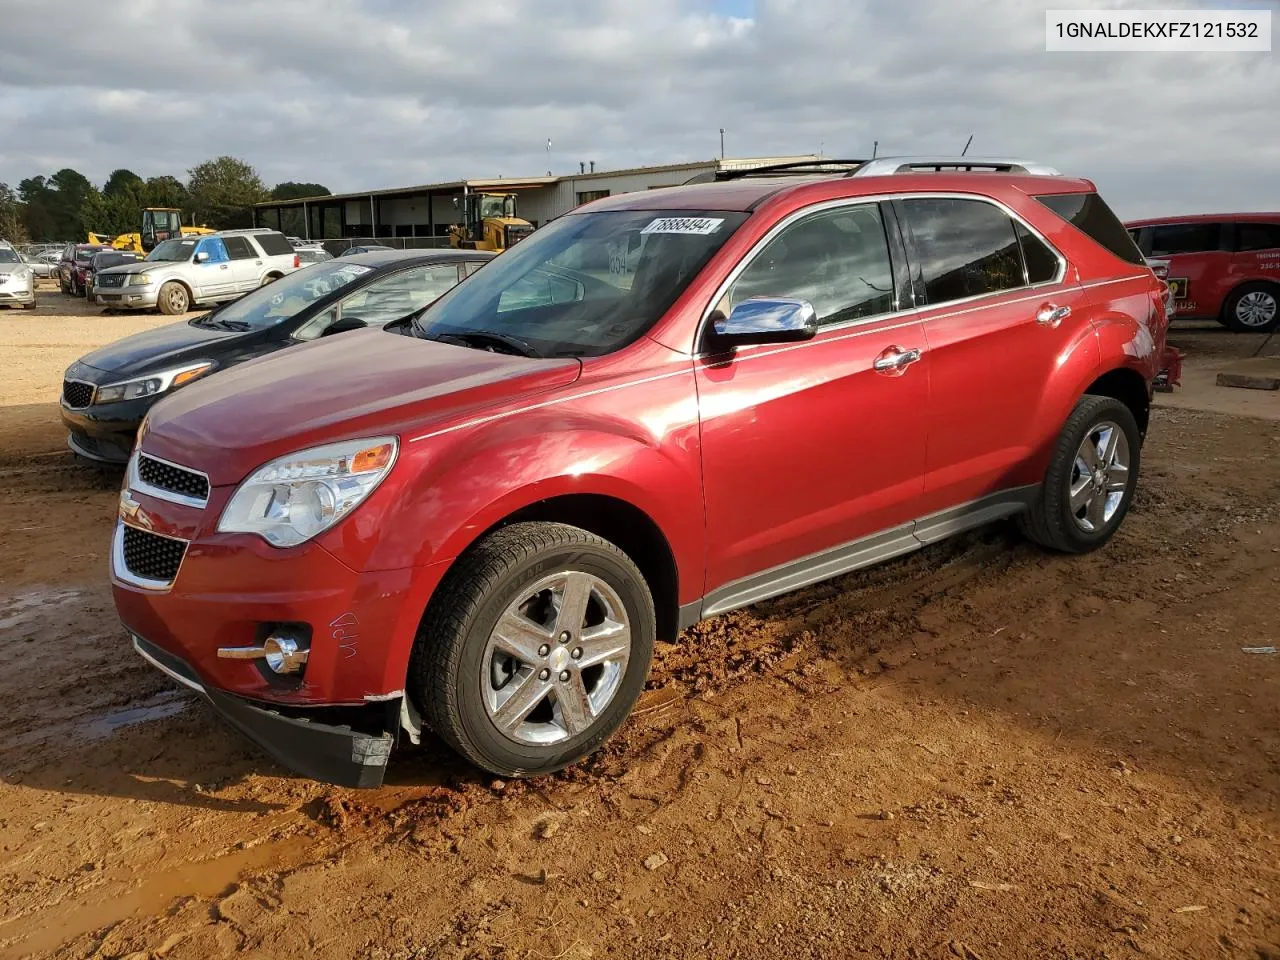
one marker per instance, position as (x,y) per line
(380,93)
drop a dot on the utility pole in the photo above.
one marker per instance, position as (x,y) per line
(722,143)
(548,156)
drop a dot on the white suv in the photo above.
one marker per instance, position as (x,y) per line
(189,270)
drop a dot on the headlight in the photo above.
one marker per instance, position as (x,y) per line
(290,500)
(152,383)
(139,279)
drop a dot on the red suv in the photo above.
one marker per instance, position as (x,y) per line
(1223,266)
(663,406)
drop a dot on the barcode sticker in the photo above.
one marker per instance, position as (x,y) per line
(697,226)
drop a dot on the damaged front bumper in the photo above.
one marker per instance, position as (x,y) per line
(353,753)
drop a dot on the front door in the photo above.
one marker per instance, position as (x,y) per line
(809,449)
(999,315)
(1199,263)
(213,272)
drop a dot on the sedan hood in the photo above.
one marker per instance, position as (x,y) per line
(155,349)
(359,384)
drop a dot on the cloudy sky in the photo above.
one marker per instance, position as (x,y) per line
(361,94)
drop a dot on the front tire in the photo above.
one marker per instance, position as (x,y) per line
(534,649)
(173,299)
(1253,308)
(1089,485)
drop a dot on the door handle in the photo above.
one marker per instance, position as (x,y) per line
(1050,314)
(895,358)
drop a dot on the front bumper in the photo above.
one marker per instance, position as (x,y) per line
(350,754)
(12,293)
(127,298)
(105,432)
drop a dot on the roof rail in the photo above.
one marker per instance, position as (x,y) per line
(890,165)
(797,168)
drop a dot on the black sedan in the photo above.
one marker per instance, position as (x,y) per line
(105,394)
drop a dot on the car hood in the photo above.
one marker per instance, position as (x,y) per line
(141,266)
(359,384)
(155,349)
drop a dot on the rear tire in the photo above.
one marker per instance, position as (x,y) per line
(173,299)
(1253,308)
(1089,485)
(516,699)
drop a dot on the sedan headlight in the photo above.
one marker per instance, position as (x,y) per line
(139,279)
(294,498)
(152,383)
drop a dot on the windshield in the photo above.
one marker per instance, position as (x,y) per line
(497,206)
(8,255)
(290,295)
(104,260)
(585,284)
(173,250)
(87,254)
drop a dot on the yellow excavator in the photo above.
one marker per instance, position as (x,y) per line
(489,222)
(158,224)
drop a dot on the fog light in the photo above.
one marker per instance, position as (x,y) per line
(283,654)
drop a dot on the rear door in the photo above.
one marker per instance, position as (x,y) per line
(809,449)
(246,262)
(1200,263)
(998,314)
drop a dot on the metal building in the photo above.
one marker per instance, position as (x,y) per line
(420,216)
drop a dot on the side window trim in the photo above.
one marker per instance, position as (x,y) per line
(881,198)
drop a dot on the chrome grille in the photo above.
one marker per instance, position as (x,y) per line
(174,479)
(77,394)
(150,556)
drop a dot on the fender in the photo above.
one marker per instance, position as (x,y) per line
(459,484)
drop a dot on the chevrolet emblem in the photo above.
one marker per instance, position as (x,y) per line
(129,507)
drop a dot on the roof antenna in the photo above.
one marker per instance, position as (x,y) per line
(966,145)
(875,145)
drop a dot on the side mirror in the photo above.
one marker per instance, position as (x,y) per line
(766,320)
(344,325)
(202,256)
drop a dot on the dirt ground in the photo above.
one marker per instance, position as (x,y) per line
(981,751)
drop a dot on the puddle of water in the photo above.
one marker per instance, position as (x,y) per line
(166,703)
(46,930)
(23,607)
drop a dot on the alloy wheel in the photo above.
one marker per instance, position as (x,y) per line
(556,659)
(1099,476)
(1256,308)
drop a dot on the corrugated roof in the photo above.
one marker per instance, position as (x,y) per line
(519,183)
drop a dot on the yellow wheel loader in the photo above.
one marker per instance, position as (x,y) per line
(489,222)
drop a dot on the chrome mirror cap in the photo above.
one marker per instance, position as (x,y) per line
(767,320)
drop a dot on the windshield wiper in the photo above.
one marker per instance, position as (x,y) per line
(481,338)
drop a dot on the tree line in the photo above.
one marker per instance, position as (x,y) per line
(67,206)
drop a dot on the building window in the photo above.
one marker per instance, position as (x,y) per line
(586,196)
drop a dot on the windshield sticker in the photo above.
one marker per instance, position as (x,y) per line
(698,226)
(353,270)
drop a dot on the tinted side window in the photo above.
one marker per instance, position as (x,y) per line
(1090,214)
(239,248)
(1042,263)
(273,244)
(838,260)
(966,247)
(1257,236)
(1176,238)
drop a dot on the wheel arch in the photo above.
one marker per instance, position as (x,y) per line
(1130,388)
(623,524)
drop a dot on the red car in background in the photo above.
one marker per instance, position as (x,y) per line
(1221,266)
(74,265)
